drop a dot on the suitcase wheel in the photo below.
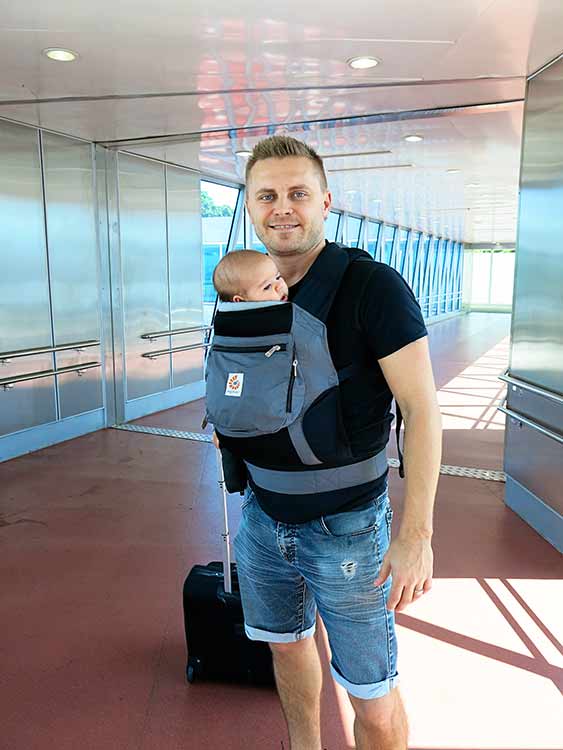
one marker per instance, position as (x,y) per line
(193,669)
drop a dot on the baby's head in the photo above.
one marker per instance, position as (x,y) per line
(248,276)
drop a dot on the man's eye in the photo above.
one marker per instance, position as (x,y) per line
(266,197)
(300,194)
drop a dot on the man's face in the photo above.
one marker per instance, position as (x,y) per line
(287,205)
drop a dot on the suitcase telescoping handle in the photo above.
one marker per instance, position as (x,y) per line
(225,534)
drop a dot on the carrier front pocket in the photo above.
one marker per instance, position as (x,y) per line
(253,387)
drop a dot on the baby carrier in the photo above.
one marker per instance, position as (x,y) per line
(273,390)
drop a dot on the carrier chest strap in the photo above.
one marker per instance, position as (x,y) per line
(319,480)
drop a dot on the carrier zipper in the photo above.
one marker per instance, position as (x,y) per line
(266,350)
(292,377)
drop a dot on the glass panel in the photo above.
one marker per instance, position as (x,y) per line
(401,256)
(480,277)
(255,243)
(374,227)
(459,277)
(445,274)
(331,225)
(425,268)
(218,204)
(387,245)
(354,228)
(503,278)
(413,278)
(439,248)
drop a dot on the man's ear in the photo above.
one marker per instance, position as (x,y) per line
(327,203)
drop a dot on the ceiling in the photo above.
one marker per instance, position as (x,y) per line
(193,83)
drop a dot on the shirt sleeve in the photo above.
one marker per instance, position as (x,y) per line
(389,315)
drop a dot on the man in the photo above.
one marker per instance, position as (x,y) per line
(340,560)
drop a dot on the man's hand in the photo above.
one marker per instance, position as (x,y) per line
(409,560)
(215,440)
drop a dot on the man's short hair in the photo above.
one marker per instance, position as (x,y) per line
(282,146)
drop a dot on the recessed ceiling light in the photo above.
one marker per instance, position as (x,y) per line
(453,171)
(243,154)
(59,54)
(413,138)
(362,63)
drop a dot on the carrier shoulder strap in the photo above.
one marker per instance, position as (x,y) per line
(322,281)
(348,372)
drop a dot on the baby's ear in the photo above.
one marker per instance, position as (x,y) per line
(237,298)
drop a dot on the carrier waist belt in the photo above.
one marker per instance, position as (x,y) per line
(319,480)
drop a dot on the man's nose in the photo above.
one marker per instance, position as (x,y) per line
(283,206)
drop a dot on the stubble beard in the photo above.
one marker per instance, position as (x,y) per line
(314,236)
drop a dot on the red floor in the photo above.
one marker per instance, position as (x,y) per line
(98,533)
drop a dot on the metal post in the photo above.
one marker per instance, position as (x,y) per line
(225,535)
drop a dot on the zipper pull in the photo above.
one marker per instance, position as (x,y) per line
(273,350)
(295,368)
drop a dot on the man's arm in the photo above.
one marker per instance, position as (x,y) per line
(409,559)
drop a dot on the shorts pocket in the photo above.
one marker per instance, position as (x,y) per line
(363,520)
(248,498)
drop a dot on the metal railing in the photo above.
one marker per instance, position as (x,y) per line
(78,346)
(531,388)
(174,332)
(529,423)
(162,352)
(8,383)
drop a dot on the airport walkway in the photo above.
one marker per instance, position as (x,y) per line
(97,535)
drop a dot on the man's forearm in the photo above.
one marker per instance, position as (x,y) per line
(422,456)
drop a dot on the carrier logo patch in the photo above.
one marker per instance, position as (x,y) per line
(234,384)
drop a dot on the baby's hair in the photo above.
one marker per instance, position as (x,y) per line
(232,270)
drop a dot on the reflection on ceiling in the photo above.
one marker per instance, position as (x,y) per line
(195,82)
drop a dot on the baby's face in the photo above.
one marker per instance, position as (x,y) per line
(265,283)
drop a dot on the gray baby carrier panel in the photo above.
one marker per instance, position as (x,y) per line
(259,385)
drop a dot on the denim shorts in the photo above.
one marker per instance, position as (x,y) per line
(288,572)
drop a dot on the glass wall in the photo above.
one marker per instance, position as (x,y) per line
(387,245)
(354,231)
(432,266)
(332,225)
(374,229)
(492,277)
(218,204)
(401,253)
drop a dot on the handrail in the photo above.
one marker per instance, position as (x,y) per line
(532,388)
(6,383)
(528,422)
(174,332)
(161,352)
(78,345)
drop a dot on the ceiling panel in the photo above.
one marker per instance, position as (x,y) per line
(178,70)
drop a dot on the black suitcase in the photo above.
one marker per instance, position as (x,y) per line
(218,647)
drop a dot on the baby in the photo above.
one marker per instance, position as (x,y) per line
(248,276)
